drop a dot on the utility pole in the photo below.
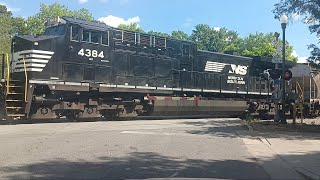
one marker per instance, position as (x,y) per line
(277,60)
(284,21)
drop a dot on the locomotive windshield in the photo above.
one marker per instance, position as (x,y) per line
(55,30)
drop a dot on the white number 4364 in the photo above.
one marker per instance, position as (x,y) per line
(90,53)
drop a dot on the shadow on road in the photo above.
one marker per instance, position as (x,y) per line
(138,165)
(65,120)
(142,165)
(217,128)
(228,128)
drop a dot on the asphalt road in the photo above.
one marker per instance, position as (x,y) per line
(188,148)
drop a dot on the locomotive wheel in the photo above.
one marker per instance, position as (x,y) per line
(44,113)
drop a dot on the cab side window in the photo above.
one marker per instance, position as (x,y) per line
(105,38)
(75,32)
(86,36)
(95,36)
(78,33)
(186,50)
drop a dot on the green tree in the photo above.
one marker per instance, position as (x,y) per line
(211,39)
(131,27)
(6,31)
(260,44)
(309,11)
(180,35)
(154,33)
(36,24)
(19,26)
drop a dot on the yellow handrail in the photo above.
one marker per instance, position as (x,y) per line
(8,72)
(26,80)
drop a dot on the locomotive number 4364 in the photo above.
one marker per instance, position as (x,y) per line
(90,53)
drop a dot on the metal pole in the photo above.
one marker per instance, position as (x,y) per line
(283,119)
(276,85)
(276,108)
(294,113)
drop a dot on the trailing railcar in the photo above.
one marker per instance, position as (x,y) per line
(82,69)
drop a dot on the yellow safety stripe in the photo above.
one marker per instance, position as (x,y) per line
(8,72)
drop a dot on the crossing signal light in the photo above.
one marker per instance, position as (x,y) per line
(275,74)
(287,75)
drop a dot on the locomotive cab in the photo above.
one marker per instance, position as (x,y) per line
(33,56)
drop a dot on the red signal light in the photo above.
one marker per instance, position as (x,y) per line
(287,75)
(275,74)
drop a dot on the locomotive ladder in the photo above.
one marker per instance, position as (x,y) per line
(312,94)
(16,92)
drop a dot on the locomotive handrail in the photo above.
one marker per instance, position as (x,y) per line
(26,79)
(302,94)
(300,104)
(8,72)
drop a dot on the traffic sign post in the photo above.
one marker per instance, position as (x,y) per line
(277,60)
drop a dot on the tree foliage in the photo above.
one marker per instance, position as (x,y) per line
(180,35)
(6,31)
(211,39)
(260,44)
(36,24)
(131,27)
(309,11)
(155,33)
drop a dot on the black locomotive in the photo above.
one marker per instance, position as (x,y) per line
(82,69)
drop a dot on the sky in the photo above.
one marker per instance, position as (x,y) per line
(243,16)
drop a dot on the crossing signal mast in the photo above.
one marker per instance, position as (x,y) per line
(277,78)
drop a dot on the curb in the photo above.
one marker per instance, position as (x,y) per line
(307,174)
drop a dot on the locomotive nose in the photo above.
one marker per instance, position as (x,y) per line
(28,55)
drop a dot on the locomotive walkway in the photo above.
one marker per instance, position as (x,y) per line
(168,149)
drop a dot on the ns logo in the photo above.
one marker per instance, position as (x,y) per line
(238,69)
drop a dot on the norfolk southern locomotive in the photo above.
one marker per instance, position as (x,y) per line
(82,69)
